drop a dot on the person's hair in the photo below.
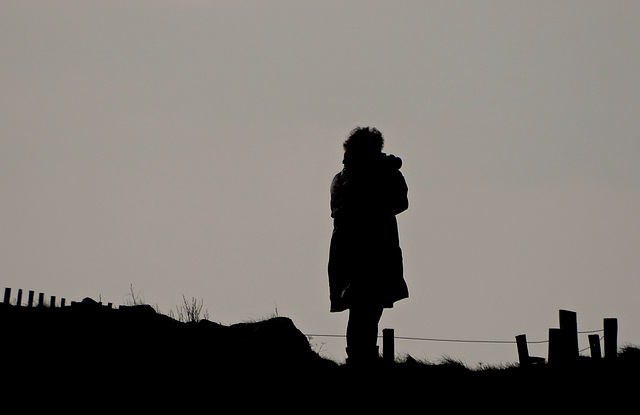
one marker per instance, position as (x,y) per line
(364,140)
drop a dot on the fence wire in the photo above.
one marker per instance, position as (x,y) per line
(430,339)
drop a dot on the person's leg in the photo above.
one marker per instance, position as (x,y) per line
(362,333)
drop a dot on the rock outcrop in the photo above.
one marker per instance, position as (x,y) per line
(135,342)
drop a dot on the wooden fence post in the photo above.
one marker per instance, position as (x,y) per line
(563,341)
(559,350)
(7,295)
(610,338)
(523,352)
(30,300)
(523,349)
(40,299)
(594,346)
(19,299)
(569,324)
(554,349)
(388,349)
(52,302)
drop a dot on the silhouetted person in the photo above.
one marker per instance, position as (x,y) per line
(365,260)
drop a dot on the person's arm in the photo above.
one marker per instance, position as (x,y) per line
(336,196)
(400,190)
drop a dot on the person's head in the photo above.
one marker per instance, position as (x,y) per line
(364,141)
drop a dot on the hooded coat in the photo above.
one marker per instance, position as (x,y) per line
(365,258)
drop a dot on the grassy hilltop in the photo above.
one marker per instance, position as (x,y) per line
(87,351)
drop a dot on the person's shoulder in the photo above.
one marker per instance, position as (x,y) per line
(336,178)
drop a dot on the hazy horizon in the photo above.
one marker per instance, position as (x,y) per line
(186,148)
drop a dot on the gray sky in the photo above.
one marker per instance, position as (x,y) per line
(186,148)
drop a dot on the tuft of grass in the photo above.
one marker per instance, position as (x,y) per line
(190,310)
(135,298)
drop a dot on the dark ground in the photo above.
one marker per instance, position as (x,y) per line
(87,357)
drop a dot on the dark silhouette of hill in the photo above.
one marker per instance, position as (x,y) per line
(133,357)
